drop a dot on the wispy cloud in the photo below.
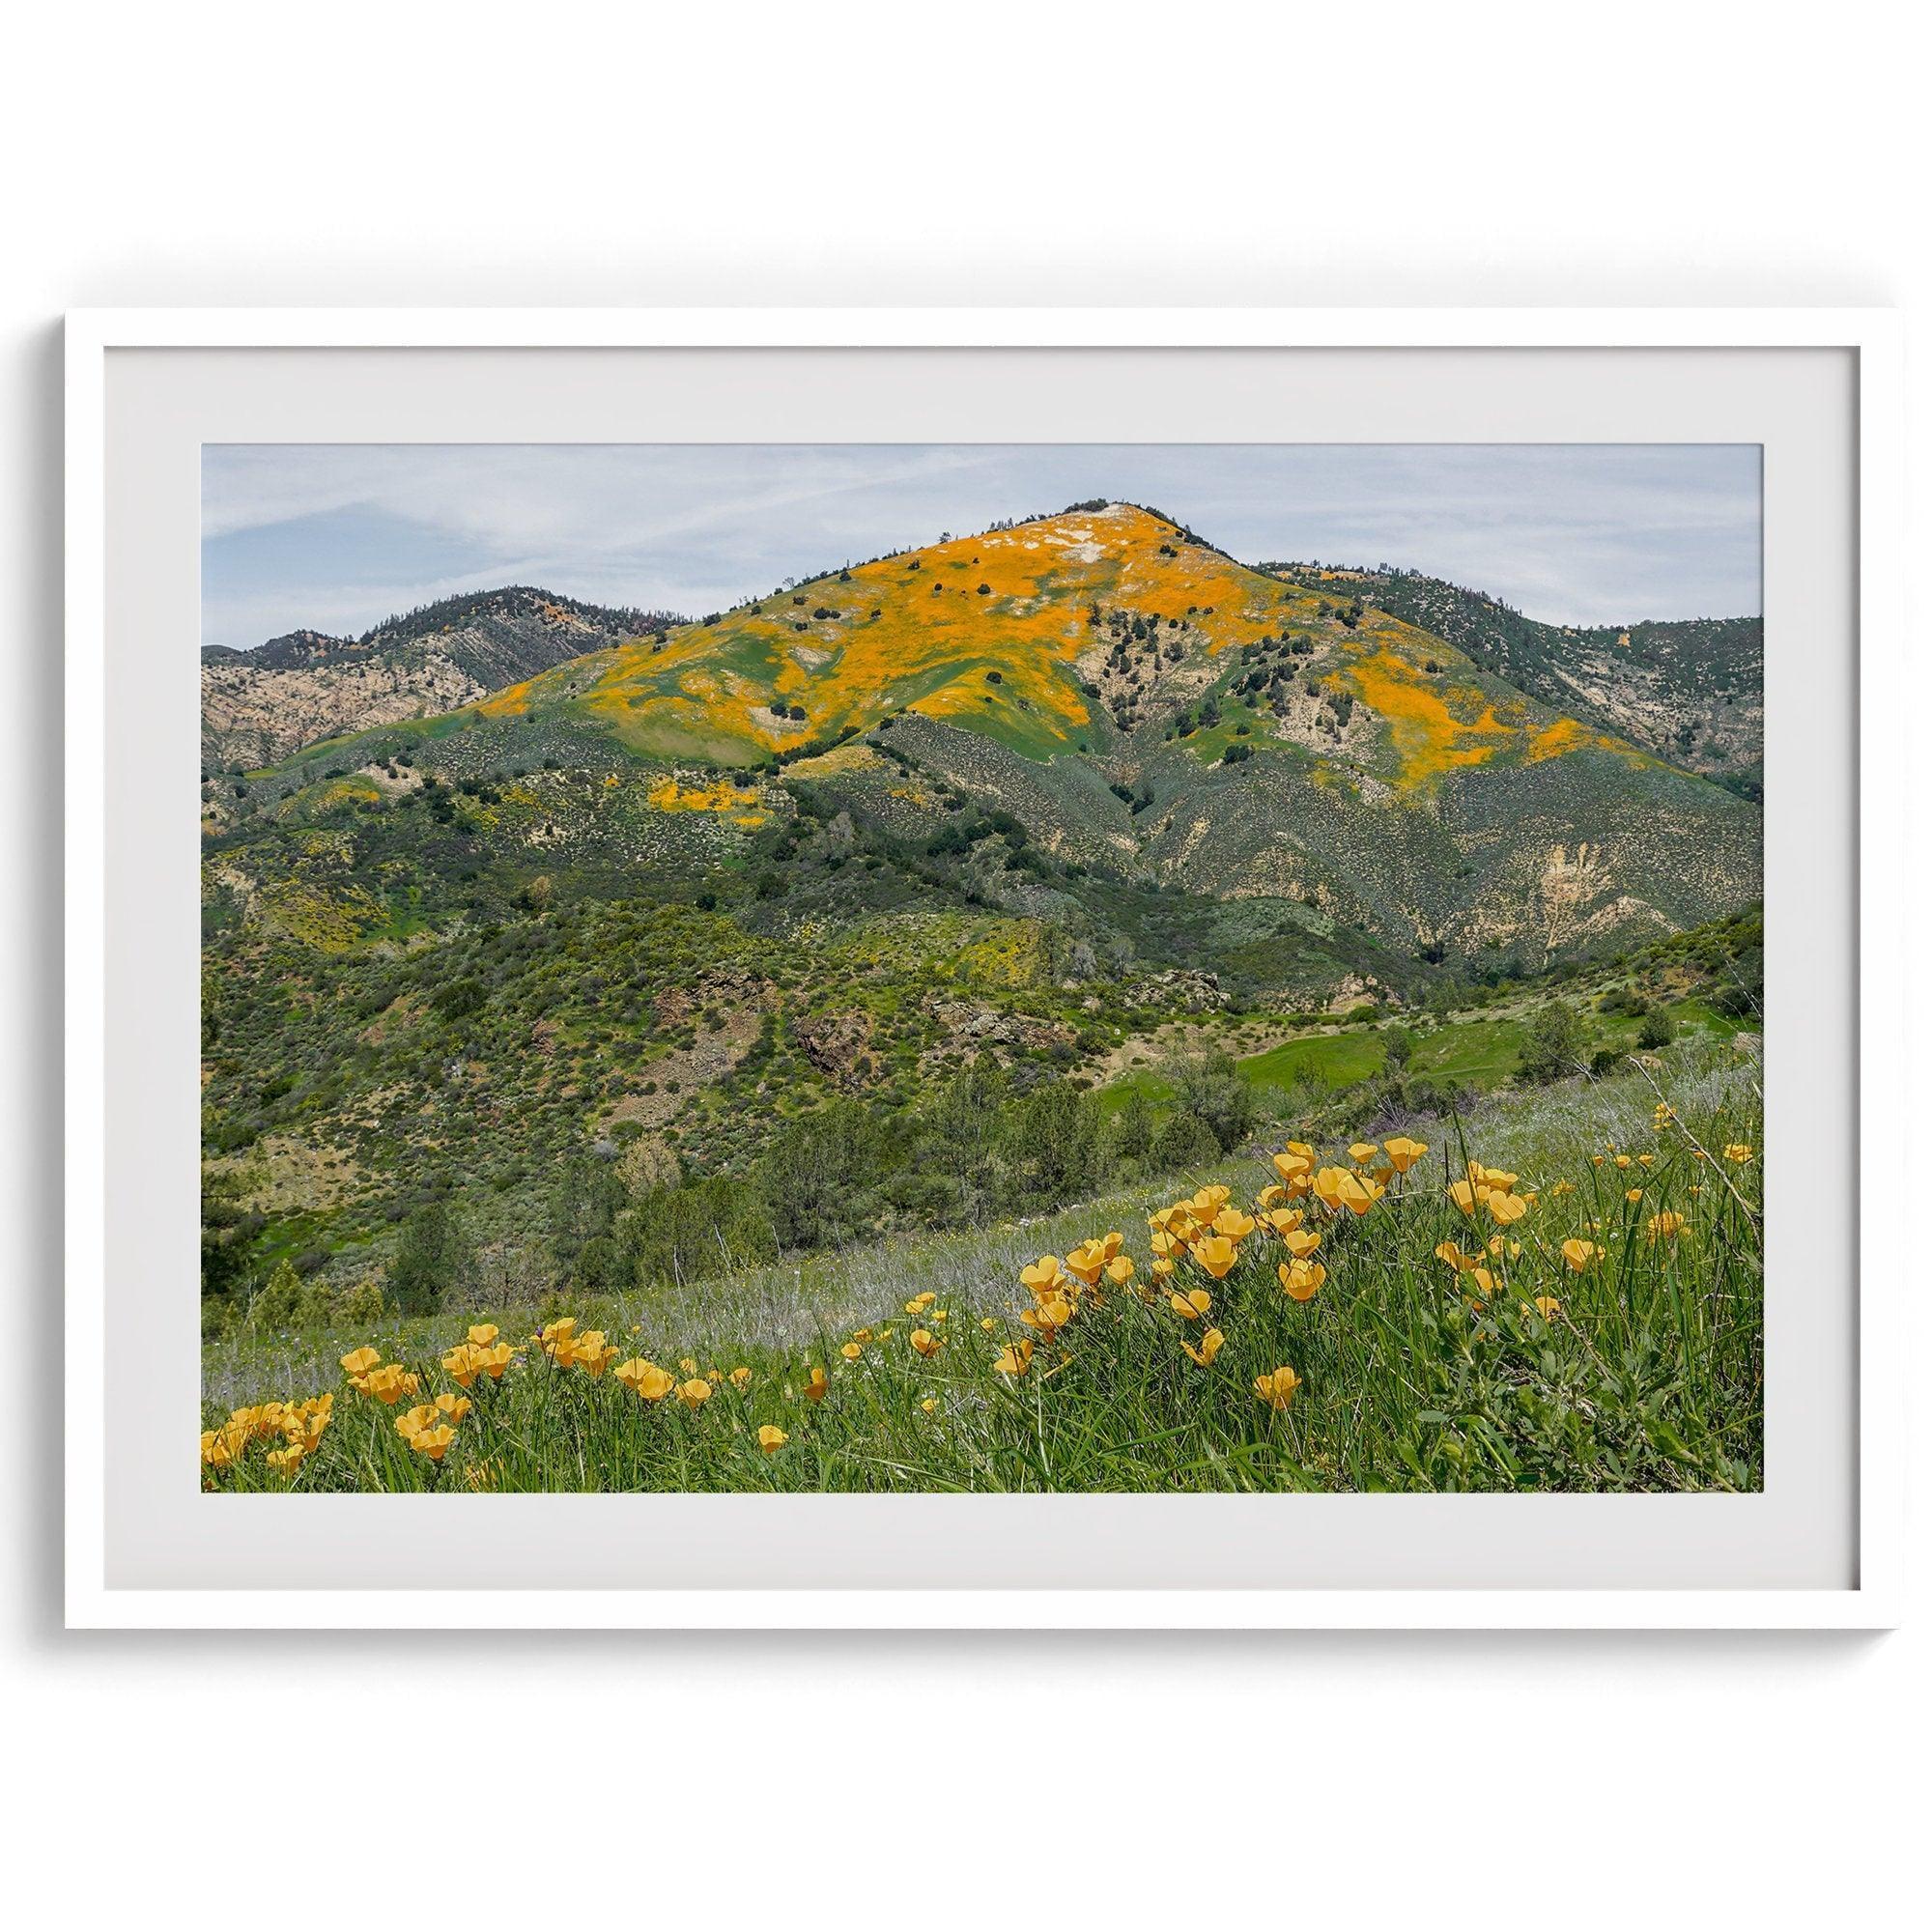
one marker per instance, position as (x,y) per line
(340,535)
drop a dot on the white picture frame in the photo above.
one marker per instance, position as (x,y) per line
(1871,1596)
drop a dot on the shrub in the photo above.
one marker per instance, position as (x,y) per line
(1656,1030)
(1209,1086)
(1184,1141)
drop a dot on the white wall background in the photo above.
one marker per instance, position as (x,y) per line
(846,154)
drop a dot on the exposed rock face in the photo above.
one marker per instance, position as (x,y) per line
(1185,986)
(972,1028)
(260,706)
(838,1044)
(254,716)
(1360,989)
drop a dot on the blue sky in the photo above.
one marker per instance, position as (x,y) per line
(337,536)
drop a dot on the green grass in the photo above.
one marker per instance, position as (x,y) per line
(1648,1376)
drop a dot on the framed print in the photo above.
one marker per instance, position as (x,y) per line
(812,968)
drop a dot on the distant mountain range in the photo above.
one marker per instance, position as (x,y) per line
(260,705)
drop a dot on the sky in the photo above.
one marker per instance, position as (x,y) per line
(336,537)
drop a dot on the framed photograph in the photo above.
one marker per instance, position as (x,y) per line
(984,968)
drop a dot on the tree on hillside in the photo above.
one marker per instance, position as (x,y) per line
(1553,1045)
(431,1260)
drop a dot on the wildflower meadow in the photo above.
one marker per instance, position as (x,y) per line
(1564,1310)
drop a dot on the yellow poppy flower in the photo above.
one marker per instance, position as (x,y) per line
(1580,1254)
(1295,1169)
(1215,1254)
(988,1322)
(1042,1277)
(920,1303)
(287,1460)
(1623,1160)
(924,1342)
(1302,1280)
(852,1350)
(1210,1347)
(771,1438)
(1548,1307)
(592,1353)
(1233,1225)
(459,1364)
(1049,1315)
(815,1385)
(1665,1226)
(741,1378)
(390,1384)
(1448,1251)
(1086,1261)
(687,1365)
(1336,1189)
(695,1393)
(359,1362)
(483,1334)
(1300,1242)
(1121,1270)
(1363,1152)
(433,1442)
(928,1405)
(1161,1267)
(1507,1207)
(1270,1196)
(1738,1152)
(1404,1153)
(1277,1388)
(455,1407)
(1633,1193)
(1013,1359)
(647,1380)
(1285,1220)
(1193,1305)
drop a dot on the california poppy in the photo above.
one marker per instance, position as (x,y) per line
(1277,1388)
(1210,1347)
(1302,1280)
(1215,1254)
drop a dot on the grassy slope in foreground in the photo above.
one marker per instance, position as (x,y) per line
(1642,1370)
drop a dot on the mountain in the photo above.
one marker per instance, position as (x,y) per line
(261,705)
(1690,690)
(1146,708)
(768,887)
